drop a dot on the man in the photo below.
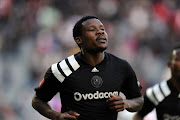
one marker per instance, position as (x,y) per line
(90,81)
(165,96)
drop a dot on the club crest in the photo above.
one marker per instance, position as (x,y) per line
(96,81)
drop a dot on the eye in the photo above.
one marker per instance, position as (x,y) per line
(91,29)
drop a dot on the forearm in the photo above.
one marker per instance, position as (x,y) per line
(133,105)
(43,108)
(137,117)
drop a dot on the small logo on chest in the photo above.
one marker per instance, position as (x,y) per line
(96,81)
(94,70)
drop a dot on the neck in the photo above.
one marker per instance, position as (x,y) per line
(93,58)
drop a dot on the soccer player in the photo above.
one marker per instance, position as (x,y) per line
(164,96)
(89,82)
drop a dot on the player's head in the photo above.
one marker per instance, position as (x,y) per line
(89,33)
(174,62)
(77,30)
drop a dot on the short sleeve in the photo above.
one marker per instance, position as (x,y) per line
(131,86)
(48,87)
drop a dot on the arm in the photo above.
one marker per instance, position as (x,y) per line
(137,117)
(117,103)
(44,109)
(47,89)
(146,109)
(135,104)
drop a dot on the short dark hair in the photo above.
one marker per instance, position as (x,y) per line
(78,26)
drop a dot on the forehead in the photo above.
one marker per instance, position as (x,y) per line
(92,22)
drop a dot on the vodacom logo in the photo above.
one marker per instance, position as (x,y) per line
(97,95)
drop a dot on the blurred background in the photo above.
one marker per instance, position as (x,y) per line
(37,33)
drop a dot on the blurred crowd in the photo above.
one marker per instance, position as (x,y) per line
(37,33)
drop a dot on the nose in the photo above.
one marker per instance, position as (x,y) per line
(100,31)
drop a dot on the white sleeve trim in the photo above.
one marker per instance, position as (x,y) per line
(165,88)
(56,73)
(151,97)
(65,68)
(73,62)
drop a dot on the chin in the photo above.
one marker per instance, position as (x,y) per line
(101,49)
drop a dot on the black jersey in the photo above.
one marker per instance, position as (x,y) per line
(84,88)
(165,98)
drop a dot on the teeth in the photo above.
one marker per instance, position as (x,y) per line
(101,38)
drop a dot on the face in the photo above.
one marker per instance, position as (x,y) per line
(94,37)
(174,64)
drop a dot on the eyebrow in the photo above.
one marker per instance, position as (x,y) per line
(94,26)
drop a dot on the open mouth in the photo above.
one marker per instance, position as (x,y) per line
(101,39)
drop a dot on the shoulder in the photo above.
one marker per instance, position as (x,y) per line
(158,92)
(64,68)
(113,58)
(118,62)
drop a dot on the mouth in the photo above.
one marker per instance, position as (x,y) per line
(101,39)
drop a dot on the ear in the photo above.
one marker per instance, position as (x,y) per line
(78,40)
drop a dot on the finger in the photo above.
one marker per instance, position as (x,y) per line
(111,95)
(117,108)
(116,103)
(70,117)
(73,113)
(116,98)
